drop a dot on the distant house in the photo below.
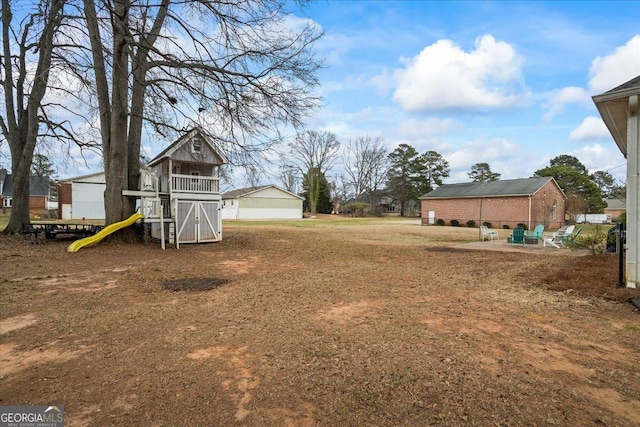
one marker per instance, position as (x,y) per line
(615,208)
(502,203)
(263,202)
(39,191)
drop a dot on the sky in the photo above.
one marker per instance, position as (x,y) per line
(508,83)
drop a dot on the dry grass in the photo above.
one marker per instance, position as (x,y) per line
(320,322)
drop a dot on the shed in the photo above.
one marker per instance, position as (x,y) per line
(263,202)
(619,110)
(82,197)
(509,202)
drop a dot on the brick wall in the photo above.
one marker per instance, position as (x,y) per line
(37,202)
(501,211)
(64,196)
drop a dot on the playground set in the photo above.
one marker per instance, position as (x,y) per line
(178,198)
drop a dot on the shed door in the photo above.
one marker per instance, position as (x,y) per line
(198,221)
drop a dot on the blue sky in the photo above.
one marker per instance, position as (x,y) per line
(507,83)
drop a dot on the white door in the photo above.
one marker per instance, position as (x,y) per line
(198,221)
(432,217)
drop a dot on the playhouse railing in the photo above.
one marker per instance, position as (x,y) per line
(194,184)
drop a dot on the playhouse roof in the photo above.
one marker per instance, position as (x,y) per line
(168,152)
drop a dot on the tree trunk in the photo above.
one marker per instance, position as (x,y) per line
(22,122)
(116,174)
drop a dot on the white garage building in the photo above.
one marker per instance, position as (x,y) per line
(82,197)
(264,202)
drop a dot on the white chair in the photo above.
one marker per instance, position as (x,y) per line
(556,238)
(488,232)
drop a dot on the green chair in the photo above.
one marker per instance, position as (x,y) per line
(570,239)
(517,236)
(537,232)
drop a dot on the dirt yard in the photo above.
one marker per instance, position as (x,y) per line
(319,322)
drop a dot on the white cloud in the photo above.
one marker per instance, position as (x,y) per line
(619,67)
(600,157)
(561,97)
(443,76)
(591,128)
(605,73)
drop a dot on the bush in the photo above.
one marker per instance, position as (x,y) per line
(487,224)
(471,223)
(506,226)
(523,225)
(595,242)
(440,222)
(355,208)
(454,223)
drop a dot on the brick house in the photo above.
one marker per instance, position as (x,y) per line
(615,208)
(39,191)
(510,202)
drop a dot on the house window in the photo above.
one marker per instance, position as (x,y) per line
(196,146)
(554,210)
(6,202)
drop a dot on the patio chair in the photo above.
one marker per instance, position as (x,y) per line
(569,239)
(537,233)
(488,232)
(556,238)
(517,236)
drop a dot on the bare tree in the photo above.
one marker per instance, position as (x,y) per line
(314,153)
(366,163)
(289,177)
(25,68)
(239,66)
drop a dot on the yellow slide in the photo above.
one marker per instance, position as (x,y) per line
(79,244)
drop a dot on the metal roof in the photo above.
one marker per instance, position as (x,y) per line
(507,187)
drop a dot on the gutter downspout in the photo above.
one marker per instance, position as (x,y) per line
(529,219)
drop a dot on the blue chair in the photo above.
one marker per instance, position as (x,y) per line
(517,236)
(537,232)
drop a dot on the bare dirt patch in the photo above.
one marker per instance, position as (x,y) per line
(320,322)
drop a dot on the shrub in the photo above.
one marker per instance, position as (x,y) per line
(595,242)
(506,226)
(471,223)
(355,208)
(523,225)
(454,223)
(440,222)
(487,224)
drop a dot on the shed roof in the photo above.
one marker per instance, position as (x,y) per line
(167,152)
(506,187)
(242,192)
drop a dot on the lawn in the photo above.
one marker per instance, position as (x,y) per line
(319,322)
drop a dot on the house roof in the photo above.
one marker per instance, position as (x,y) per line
(506,187)
(167,152)
(38,186)
(243,192)
(613,106)
(616,204)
